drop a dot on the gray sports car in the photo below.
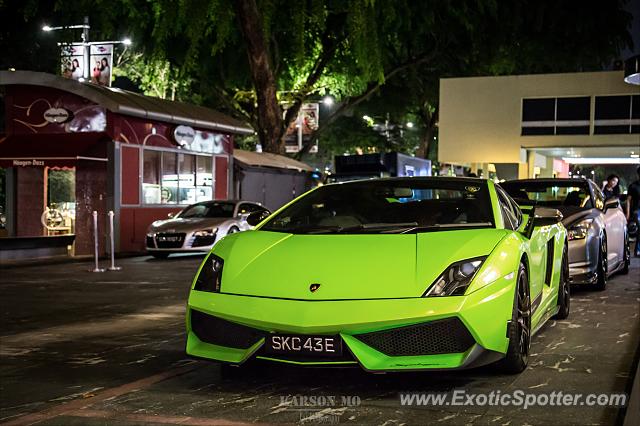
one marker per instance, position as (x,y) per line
(199,226)
(597,228)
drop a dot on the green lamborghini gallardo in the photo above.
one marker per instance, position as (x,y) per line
(389,274)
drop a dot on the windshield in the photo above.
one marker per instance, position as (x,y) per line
(387,206)
(208,209)
(552,194)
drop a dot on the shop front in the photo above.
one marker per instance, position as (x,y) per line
(71,148)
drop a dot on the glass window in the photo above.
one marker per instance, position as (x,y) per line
(616,114)
(176,178)
(210,209)
(556,116)
(151,177)
(186,179)
(508,215)
(204,178)
(550,193)
(403,205)
(249,208)
(169,178)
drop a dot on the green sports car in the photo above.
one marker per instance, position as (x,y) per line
(389,274)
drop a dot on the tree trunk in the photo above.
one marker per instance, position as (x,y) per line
(270,122)
(429,120)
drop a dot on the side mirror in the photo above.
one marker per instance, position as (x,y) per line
(544,217)
(256,217)
(171,215)
(611,203)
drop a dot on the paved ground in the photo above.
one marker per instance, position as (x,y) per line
(78,348)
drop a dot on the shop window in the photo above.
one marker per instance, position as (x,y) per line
(617,115)
(204,178)
(60,213)
(186,179)
(169,193)
(556,116)
(151,177)
(176,178)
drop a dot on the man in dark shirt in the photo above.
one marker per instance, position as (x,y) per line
(633,208)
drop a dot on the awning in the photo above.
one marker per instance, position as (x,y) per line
(52,149)
(133,104)
(264,159)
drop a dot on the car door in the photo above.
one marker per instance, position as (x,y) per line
(512,218)
(615,225)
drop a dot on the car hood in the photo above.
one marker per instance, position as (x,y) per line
(361,266)
(185,225)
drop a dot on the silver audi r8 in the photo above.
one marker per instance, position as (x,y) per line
(199,226)
(597,228)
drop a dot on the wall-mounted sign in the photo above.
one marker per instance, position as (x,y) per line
(57,115)
(184,135)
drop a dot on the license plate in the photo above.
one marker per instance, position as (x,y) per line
(170,239)
(323,346)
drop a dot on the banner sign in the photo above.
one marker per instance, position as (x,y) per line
(101,61)
(72,60)
(302,128)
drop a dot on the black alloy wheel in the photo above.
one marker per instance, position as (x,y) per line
(602,268)
(517,355)
(564,294)
(627,255)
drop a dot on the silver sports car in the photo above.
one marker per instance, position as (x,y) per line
(199,226)
(597,228)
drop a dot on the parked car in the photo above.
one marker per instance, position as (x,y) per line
(402,274)
(199,226)
(597,228)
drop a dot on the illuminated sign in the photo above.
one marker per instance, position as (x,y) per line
(57,115)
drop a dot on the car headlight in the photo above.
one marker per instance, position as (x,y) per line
(455,280)
(205,232)
(579,230)
(210,276)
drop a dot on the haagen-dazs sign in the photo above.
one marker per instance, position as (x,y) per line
(57,115)
(184,135)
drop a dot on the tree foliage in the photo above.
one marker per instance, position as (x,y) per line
(377,55)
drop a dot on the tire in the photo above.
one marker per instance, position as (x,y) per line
(601,270)
(233,230)
(627,256)
(564,294)
(160,255)
(517,355)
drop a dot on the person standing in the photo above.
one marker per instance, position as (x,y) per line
(611,188)
(633,208)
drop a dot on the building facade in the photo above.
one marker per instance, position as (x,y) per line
(71,148)
(536,125)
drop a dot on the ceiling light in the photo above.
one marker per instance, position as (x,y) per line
(601,160)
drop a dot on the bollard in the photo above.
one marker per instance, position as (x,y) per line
(113,266)
(95,242)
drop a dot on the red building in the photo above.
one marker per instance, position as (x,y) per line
(70,148)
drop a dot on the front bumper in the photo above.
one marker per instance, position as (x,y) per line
(483,315)
(583,260)
(179,242)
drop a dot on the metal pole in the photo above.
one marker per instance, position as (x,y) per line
(113,266)
(95,243)
(87,48)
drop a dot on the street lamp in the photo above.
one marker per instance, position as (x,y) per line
(328,100)
(85,40)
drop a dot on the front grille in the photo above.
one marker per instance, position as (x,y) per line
(167,241)
(203,241)
(436,337)
(150,242)
(221,332)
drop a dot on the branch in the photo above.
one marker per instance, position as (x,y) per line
(329,47)
(355,100)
